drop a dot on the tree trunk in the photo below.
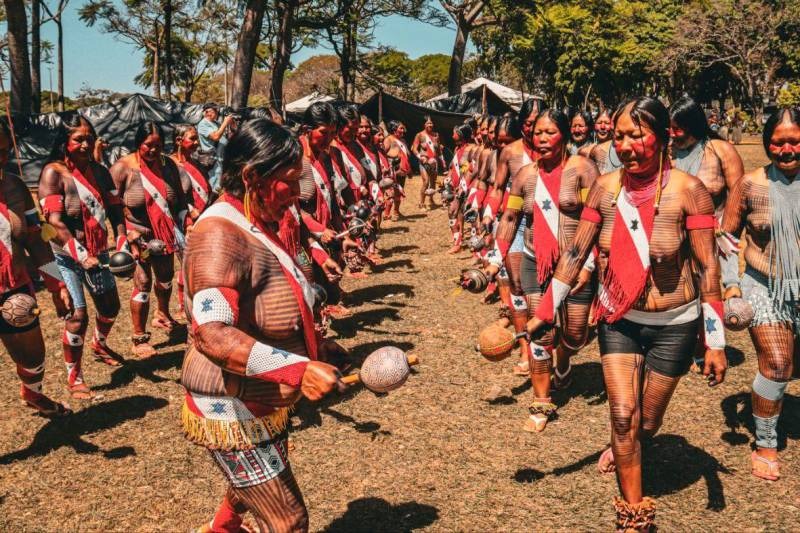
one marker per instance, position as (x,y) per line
(167,6)
(457,59)
(283,53)
(156,71)
(36,57)
(17,24)
(246,52)
(60,59)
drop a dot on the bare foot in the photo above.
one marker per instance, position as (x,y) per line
(606,464)
(80,391)
(106,355)
(44,405)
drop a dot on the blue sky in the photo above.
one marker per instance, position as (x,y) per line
(104,62)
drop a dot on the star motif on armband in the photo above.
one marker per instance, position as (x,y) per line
(518,302)
(538,352)
(218,407)
(207,305)
(711,325)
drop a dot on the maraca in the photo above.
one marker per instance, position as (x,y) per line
(122,264)
(384,370)
(476,243)
(385,183)
(738,314)
(474,280)
(496,341)
(20,310)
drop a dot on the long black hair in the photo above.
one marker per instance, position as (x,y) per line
(689,116)
(464,131)
(347,113)
(261,144)
(59,150)
(531,106)
(651,112)
(319,114)
(146,129)
(508,124)
(587,119)
(392,126)
(179,132)
(793,113)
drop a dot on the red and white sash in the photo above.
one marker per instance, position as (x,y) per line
(457,179)
(163,225)
(430,148)
(546,216)
(7,278)
(405,161)
(92,211)
(370,160)
(200,188)
(231,209)
(323,186)
(629,258)
(351,166)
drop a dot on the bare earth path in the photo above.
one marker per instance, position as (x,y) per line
(431,456)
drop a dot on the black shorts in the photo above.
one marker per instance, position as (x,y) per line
(5,327)
(530,283)
(667,350)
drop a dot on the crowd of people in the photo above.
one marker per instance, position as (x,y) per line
(626,221)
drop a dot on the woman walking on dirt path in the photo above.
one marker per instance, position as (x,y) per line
(651,303)
(400,158)
(548,196)
(256,349)
(196,189)
(155,209)
(21,241)
(428,150)
(512,158)
(77,196)
(696,150)
(767,202)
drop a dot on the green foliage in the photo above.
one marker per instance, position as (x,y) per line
(789,96)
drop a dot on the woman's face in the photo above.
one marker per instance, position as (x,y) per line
(579,130)
(428,126)
(80,143)
(681,139)
(276,193)
(364,130)
(319,139)
(400,132)
(349,130)
(190,141)
(151,147)
(457,138)
(784,146)
(547,139)
(637,146)
(603,127)
(378,138)
(527,126)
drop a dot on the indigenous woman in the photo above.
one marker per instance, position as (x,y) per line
(77,195)
(458,180)
(150,187)
(347,156)
(603,128)
(428,150)
(195,185)
(581,129)
(513,157)
(548,195)
(650,222)
(767,202)
(255,351)
(400,157)
(319,209)
(603,153)
(373,162)
(20,242)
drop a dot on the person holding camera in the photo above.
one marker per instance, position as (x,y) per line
(213,138)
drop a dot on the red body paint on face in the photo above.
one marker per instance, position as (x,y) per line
(579,130)
(547,139)
(319,139)
(150,149)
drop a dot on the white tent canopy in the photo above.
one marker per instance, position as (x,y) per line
(508,95)
(299,106)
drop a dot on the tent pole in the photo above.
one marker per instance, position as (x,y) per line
(483,100)
(380,106)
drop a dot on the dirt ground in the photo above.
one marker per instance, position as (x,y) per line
(433,455)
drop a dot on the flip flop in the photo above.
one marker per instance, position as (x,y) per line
(765,468)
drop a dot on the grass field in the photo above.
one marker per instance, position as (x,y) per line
(434,455)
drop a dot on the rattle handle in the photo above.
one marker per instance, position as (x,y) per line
(350,379)
(413,360)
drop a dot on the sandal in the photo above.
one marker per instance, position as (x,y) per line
(105,354)
(44,405)
(562,381)
(606,463)
(542,410)
(80,391)
(141,347)
(765,468)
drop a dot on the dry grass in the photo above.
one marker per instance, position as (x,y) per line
(432,455)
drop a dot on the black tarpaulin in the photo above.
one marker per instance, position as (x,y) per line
(472,103)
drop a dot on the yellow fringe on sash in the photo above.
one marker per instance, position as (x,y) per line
(233,434)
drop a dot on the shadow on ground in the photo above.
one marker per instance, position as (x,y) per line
(143,368)
(69,430)
(738,413)
(377,515)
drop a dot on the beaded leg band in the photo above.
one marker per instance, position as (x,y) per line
(636,517)
(140,339)
(543,406)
